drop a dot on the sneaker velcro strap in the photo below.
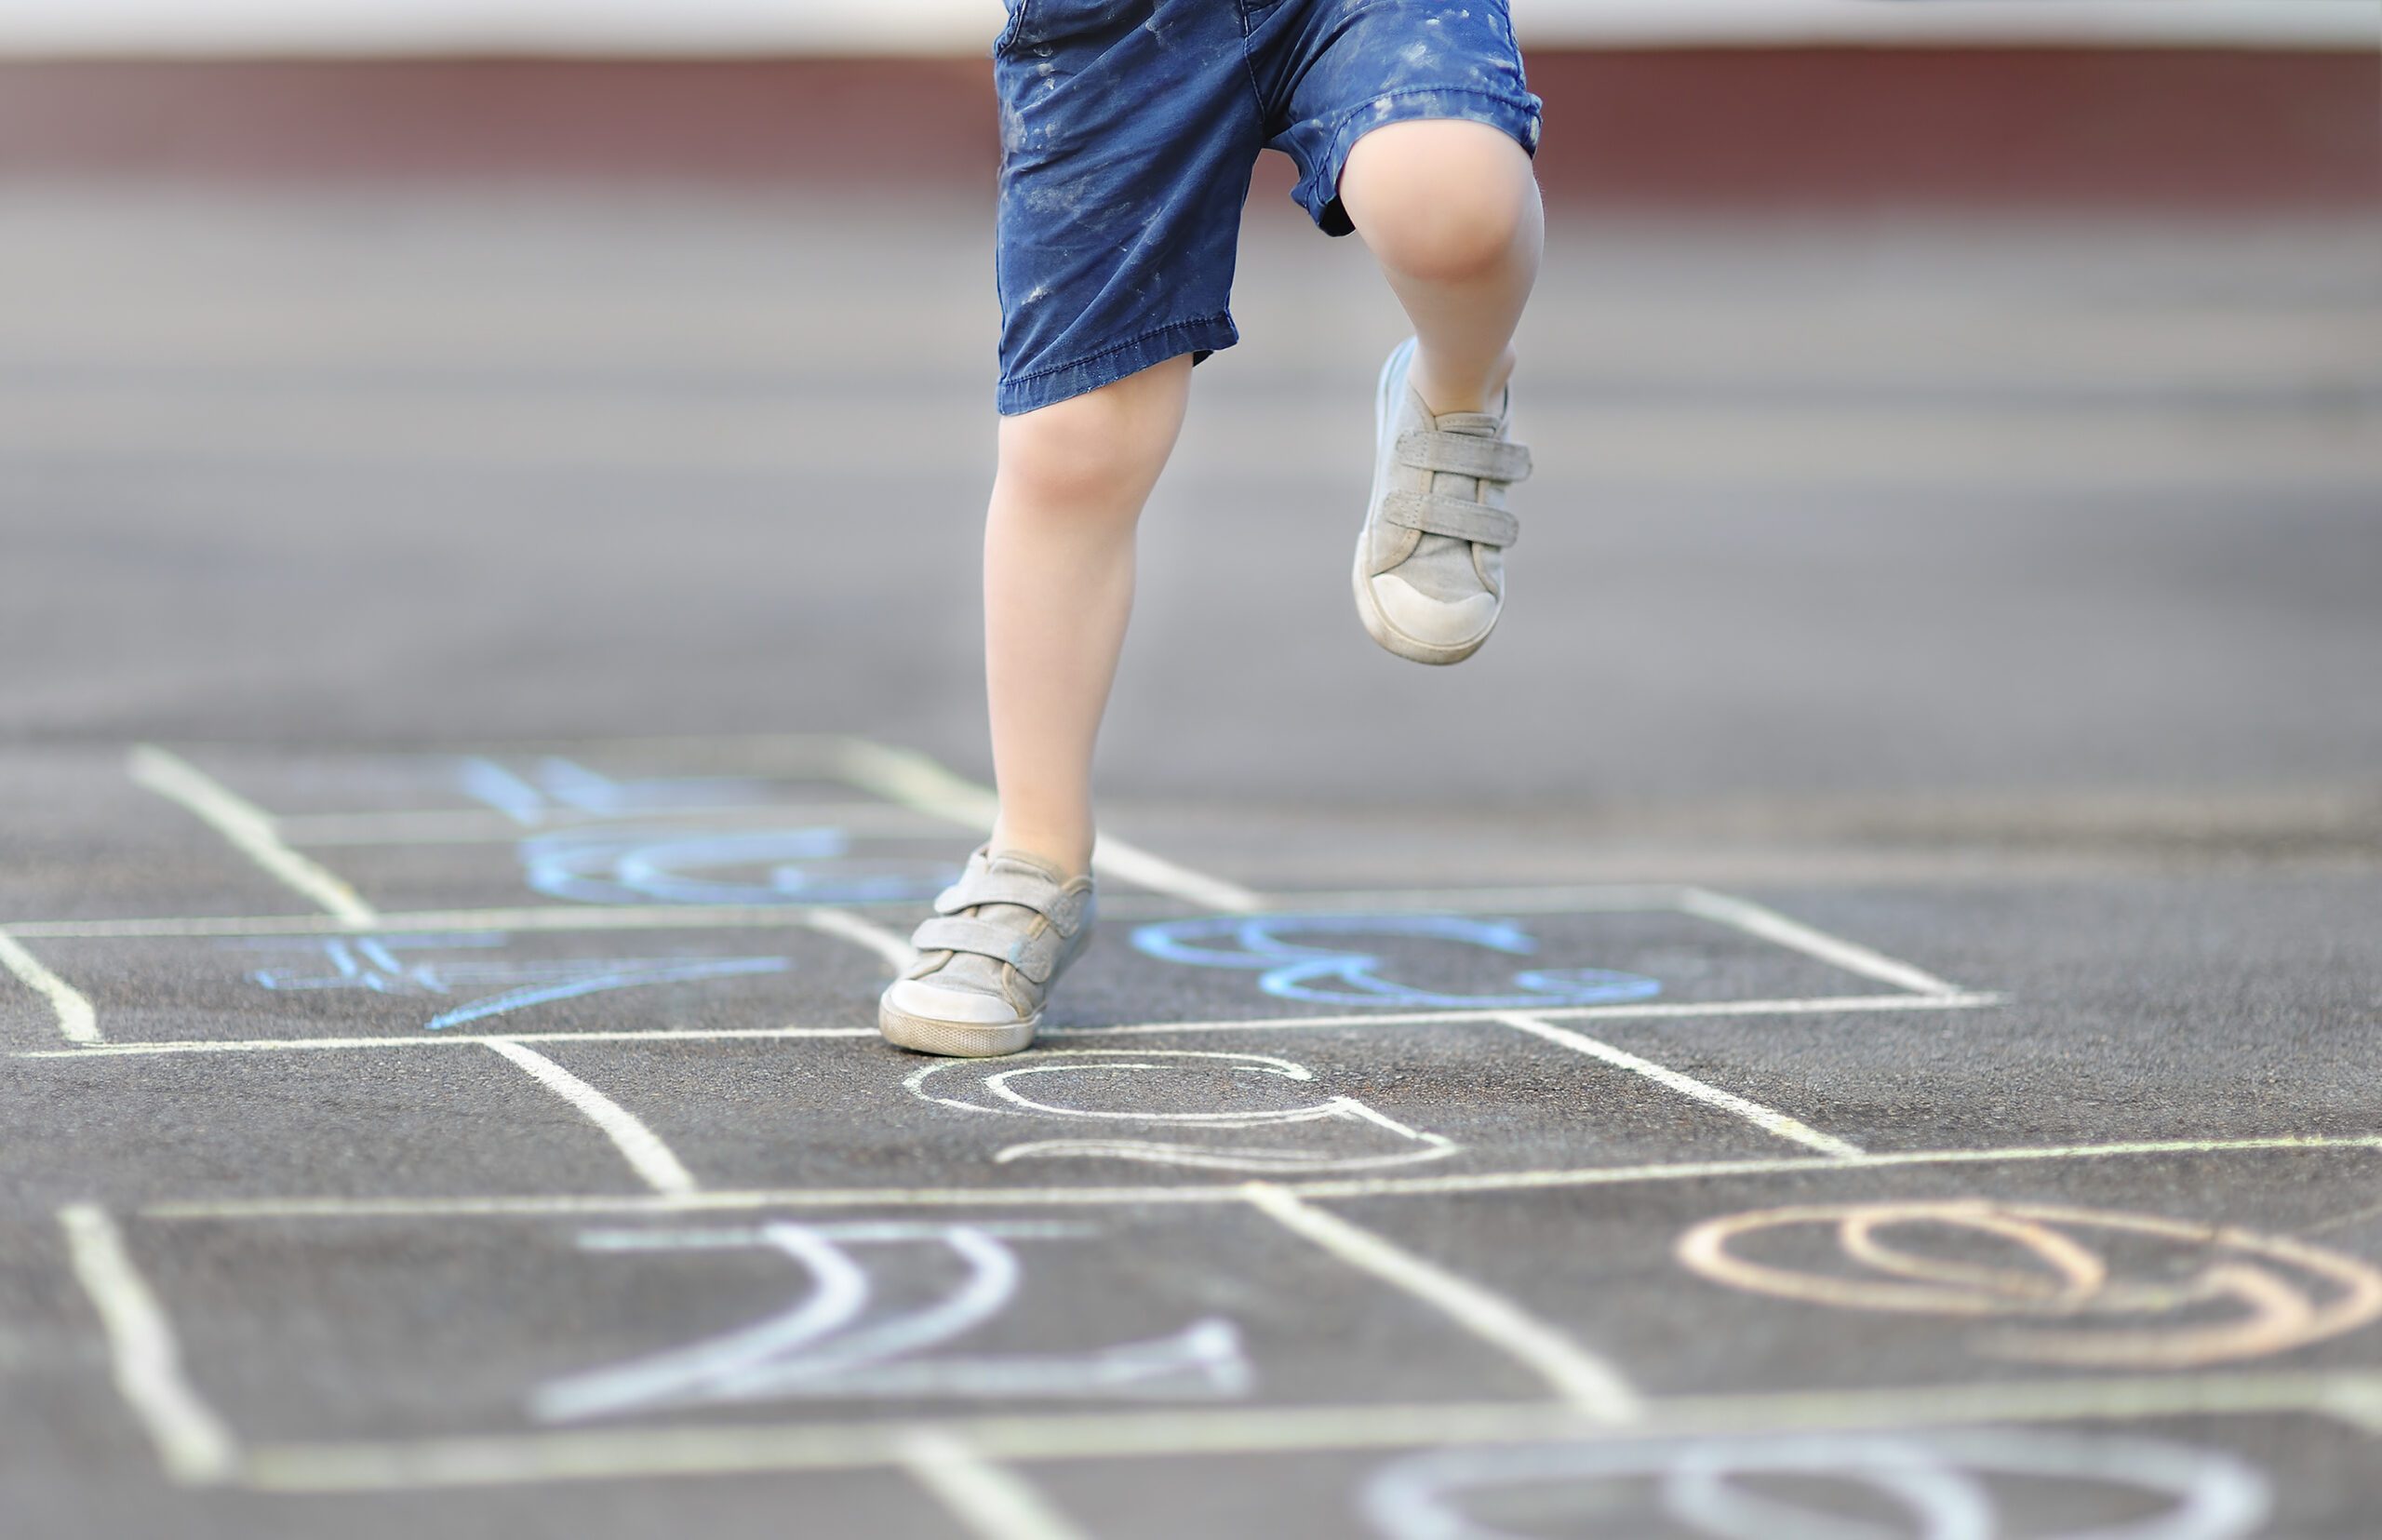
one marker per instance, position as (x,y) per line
(1462,454)
(1033,955)
(989,886)
(1455,516)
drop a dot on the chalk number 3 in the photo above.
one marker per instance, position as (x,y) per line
(1295,971)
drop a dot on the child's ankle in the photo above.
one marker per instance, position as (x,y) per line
(1476,394)
(1070,859)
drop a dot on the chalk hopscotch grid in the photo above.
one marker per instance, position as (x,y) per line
(196,1448)
(918,785)
(914,782)
(965,1455)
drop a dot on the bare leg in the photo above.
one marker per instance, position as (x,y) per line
(1450,212)
(1058,588)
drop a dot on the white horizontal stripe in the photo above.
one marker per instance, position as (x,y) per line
(439,1039)
(1826,1005)
(556,918)
(1384,1186)
(1123,1433)
(1840,1005)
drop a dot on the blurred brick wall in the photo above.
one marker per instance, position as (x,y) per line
(2069,127)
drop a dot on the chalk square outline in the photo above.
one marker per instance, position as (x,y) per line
(198,1446)
(2353,1398)
(907,779)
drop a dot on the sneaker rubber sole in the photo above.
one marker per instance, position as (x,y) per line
(954,1039)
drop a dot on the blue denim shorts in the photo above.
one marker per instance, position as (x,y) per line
(1128,131)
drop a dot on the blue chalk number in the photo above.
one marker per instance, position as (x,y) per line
(1292,972)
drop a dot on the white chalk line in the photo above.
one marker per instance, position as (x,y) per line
(442,1039)
(1736,913)
(1563,899)
(844,925)
(1578,1377)
(1851,1003)
(989,1500)
(248,827)
(2352,1397)
(191,1442)
(625,916)
(1768,1120)
(913,781)
(1680,1009)
(476,826)
(1114,858)
(77,1022)
(543,918)
(1794,934)
(575,1204)
(647,1155)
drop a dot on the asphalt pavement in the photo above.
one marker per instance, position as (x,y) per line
(1853,1018)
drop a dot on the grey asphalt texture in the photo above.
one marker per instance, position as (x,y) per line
(1996,596)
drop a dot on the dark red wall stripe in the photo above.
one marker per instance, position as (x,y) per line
(1734,127)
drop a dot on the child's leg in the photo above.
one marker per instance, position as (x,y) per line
(1451,211)
(1058,587)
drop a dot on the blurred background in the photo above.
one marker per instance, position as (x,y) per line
(1959,425)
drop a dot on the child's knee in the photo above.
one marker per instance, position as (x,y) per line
(1440,199)
(1057,468)
(1098,449)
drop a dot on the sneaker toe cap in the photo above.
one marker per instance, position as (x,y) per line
(929,1001)
(1441,623)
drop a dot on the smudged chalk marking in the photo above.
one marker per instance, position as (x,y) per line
(2264,1277)
(993,1501)
(191,1442)
(1581,1379)
(77,1022)
(1932,1478)
(249,828)
(827,1344)
(1762,1118)
(647,1155)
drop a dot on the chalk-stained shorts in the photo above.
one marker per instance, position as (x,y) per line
(1129,130)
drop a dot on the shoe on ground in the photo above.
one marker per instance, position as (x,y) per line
(1001,936)
(1430,573)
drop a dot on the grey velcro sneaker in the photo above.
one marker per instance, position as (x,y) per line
(1000,937)
(1430,574)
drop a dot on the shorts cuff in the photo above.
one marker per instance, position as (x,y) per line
(1048,386)
(1517,118)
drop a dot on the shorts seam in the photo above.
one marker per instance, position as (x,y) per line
(1126,346)
(1249,69)
(1007,39)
